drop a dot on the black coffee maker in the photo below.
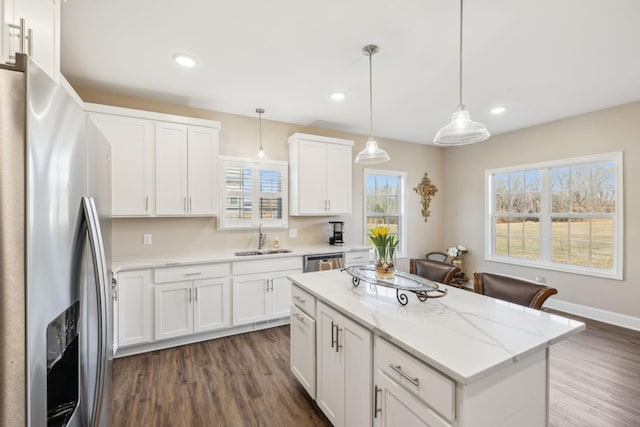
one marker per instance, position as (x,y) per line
(336,233)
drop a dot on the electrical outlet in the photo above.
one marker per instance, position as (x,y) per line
(293,233)
(147,239)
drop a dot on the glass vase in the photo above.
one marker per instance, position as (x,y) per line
(385,262)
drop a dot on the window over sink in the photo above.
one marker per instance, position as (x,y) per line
(252,193)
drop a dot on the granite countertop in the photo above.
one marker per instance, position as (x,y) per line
(151,261)
(464,335)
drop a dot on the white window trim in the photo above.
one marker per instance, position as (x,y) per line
(618,247)
(229,224)
(402,253)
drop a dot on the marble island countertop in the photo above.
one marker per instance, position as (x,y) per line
(152,261)
(464,335)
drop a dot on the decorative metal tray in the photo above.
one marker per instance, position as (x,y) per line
(401,282)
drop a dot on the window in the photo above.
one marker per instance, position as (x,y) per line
(384,204)
(563,215)
(252,193)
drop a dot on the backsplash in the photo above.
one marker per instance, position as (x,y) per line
(192,235)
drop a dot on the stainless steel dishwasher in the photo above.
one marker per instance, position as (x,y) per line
(319,262)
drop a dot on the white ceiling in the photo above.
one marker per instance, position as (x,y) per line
(544,59)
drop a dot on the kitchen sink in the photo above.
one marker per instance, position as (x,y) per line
(263,252)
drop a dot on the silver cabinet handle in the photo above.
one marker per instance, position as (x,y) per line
(300,300)
(146,204)
(271,285)
(300,318)
(376,410)
(194,274)
(338,346)
(196,289)
(329,203)
(189,295)
(190,210)
(399,370)
(184,201)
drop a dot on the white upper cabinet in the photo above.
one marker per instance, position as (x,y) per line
(320,175)
(162,165)
(186,170)
(42,23)
(132,163)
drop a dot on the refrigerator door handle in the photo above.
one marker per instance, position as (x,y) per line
(90,218)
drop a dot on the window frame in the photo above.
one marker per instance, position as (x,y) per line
(544,261)
(225,223)
(402,219)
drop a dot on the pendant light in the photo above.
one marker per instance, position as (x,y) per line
(461,130)
(261,153)
(372,154)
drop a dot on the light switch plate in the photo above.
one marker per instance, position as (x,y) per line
(147,239)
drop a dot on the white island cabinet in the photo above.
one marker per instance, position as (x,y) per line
(464,360)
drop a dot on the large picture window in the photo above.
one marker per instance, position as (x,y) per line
(252,193)
(562,215)
(384,204)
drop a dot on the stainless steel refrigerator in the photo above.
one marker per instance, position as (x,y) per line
(55,283)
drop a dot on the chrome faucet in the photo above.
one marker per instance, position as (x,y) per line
(261,237)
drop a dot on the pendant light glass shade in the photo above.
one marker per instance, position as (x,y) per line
(372,154)
(461,130)
(261,154)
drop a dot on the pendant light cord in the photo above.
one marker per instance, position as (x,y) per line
(260,111)
(370,96)
(460,71)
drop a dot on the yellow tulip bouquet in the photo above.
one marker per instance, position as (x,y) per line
(385,246)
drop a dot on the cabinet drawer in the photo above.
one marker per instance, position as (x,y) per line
(267,265)
(191,272)
(303,300)
(356,258)
(429,385)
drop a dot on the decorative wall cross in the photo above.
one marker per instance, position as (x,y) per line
(426,190)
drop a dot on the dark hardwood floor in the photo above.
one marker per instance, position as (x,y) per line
(244,380)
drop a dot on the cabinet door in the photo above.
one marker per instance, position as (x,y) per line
(303,350)
(43,18)
(312,170)
(280,291)
(356,347)
(171,169)
(212,309)
(397,407)
(132,163)
(330,376)
(134,306)
(250,299)
(174,310)
(202,171)
(339,180)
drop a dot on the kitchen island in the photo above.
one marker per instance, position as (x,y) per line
(460,360)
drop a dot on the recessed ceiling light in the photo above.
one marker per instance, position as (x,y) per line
(184,60)
(498,110)
(338,96)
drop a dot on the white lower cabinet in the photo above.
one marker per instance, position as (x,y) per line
(191,307)
(259,297)
(133,314)
(303,349)
(344,368)
(191,299)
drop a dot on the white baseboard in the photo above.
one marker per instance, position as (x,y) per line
(594,313)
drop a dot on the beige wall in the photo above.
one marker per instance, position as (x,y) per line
(615,129)
(240,137)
